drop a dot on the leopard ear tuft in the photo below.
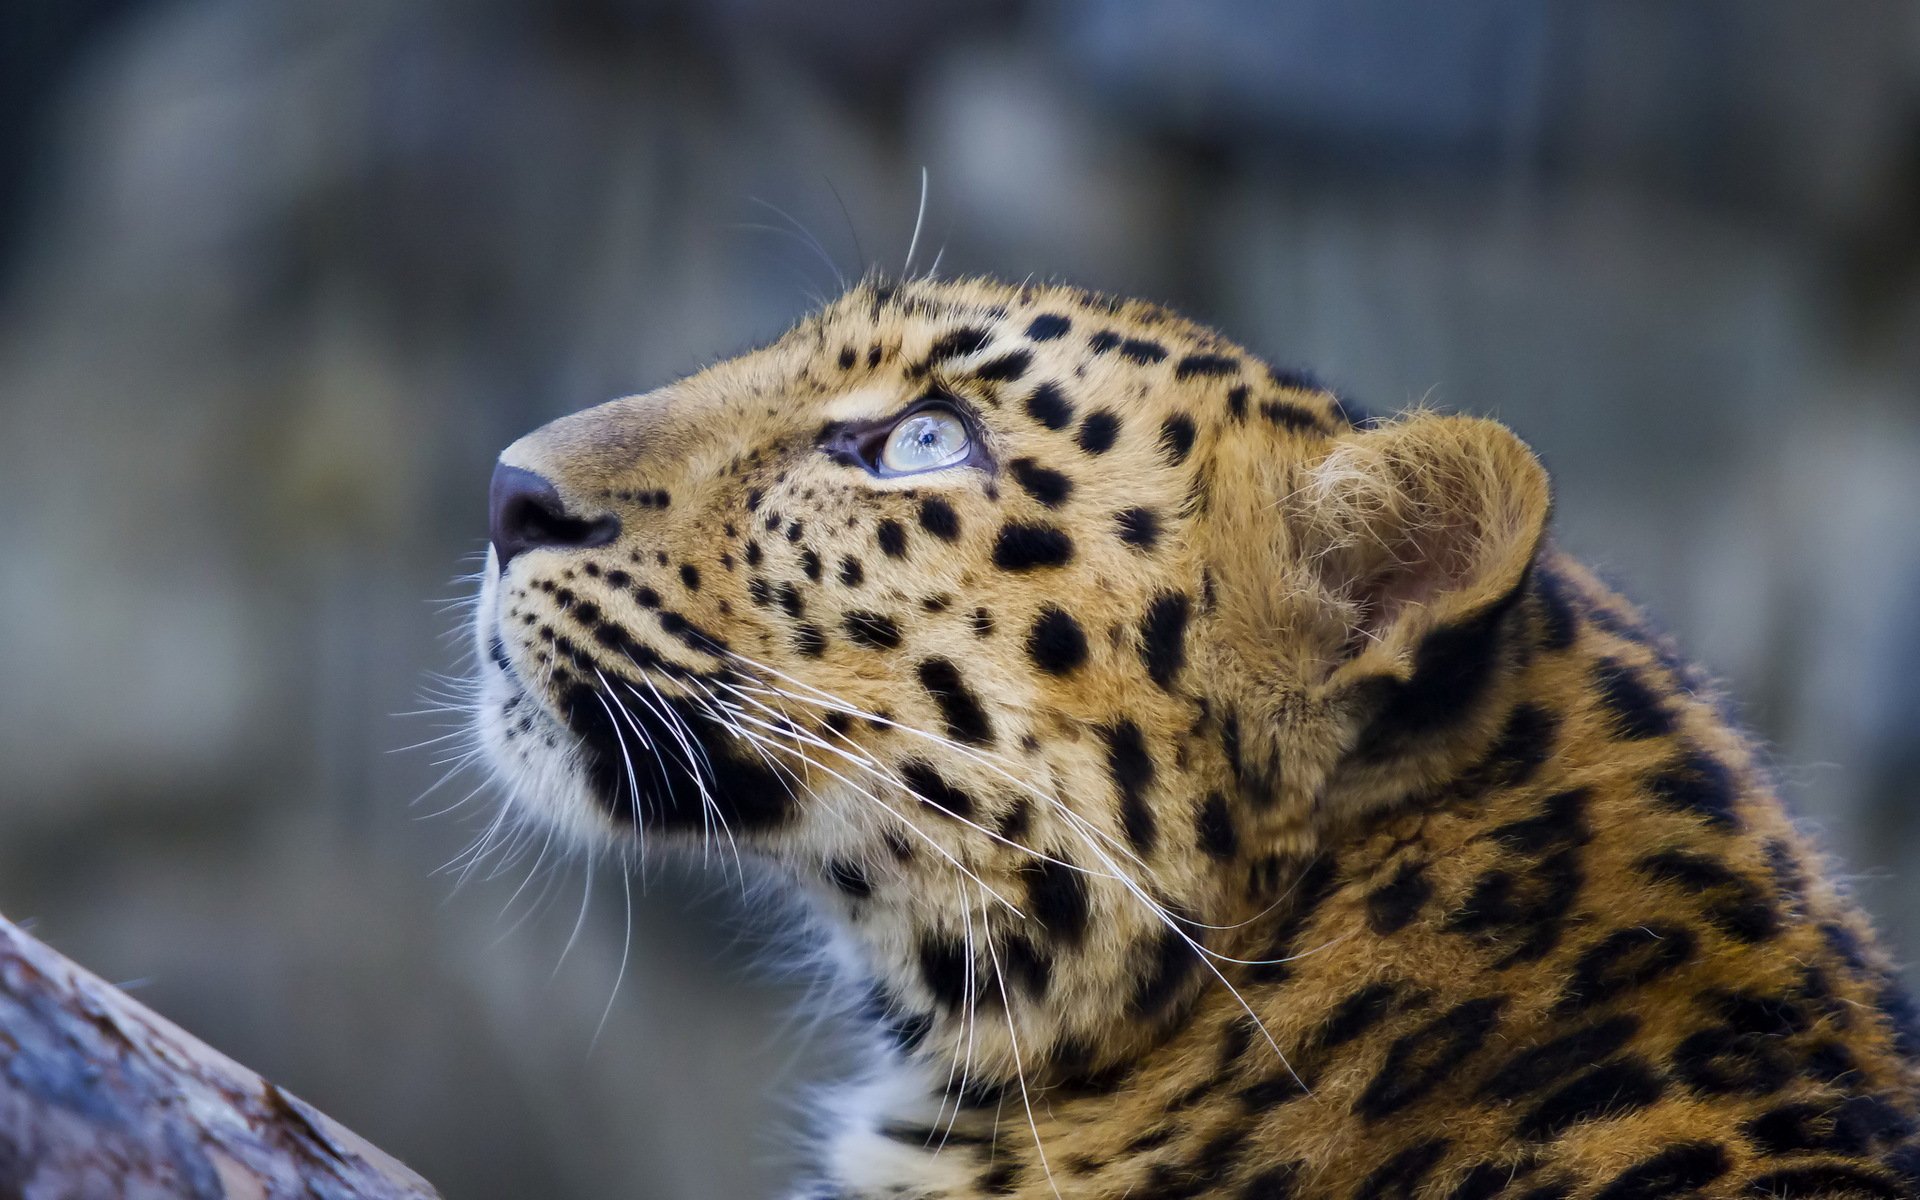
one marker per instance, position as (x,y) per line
(1415,524)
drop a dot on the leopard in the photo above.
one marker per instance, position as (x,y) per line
(1206,787)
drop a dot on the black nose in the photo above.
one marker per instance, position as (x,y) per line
(527,513)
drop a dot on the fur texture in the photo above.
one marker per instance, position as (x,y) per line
(1228,795)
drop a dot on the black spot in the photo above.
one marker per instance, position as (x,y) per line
(1049,406)
(1057,899)
(851,878)
(847,357)
(1561,821)
(1539,1067)
(1352,412)
(1103,341)
(1678,1170)
(1176,438)
(907,1029)
(1272,1091)
(753,554)
(892,538)
(852,574)
(1131,767)
(1848,1127)
(1217,1157)
(1006,368)
(1400,1177)
(1139,527)
(1142,351)
(1624,960)
(1700,784)
(943,964)
(1832,1181)
(1047,326)
(809,640)
(1419,1061)
(875,631)
(690,576)
(1027,964)
(1023,546)
(1217,833)
(1827,1061)
(1044,484)
(1393,905)
(1521,908)
(1904,1161)
(1286,415)
(1610,1090)
(1730,902)
(1099,431)
(1359,1012)
(1721,1061)
(938,518)
(1273,1184)
(788,598)
(1758,1012)
(1845,943)
(957,343)
(982,621)
(1163,638)
(1056,643)
(1903,1016)
(1237,401)
(932,789)
(1634,709)
(692,635)
(1452,669)
(1205,365)
(1526,741)
(966,720)
(1488,1180)
(809,565)
(1016,821)
(1559,624)
(1171,962)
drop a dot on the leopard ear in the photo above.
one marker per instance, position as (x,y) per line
(1410,527)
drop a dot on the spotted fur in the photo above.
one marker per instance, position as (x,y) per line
(1228,794)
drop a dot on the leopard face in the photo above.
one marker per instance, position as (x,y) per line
(1022,625)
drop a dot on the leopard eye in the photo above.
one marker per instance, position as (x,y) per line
(926,439)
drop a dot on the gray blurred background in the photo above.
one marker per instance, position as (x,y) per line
(278,279)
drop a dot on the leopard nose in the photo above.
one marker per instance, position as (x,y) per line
(526,513)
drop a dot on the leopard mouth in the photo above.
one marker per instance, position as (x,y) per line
(639,751)
(658,761)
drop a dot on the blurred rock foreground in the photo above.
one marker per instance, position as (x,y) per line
(277,280)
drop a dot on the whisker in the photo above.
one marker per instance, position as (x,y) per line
(580,921)
(1019,1068)
(919,219)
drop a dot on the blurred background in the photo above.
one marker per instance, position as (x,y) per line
(278,279)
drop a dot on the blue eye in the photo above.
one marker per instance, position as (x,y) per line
(926,440)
